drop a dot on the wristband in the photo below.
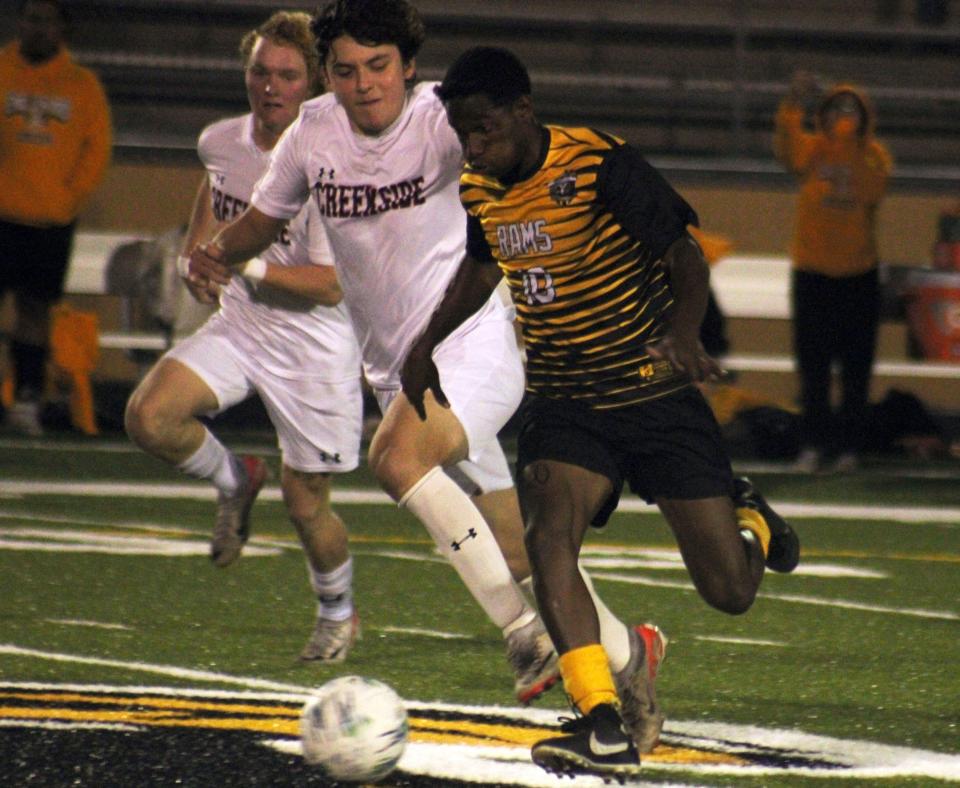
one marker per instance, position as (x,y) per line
(183,266)
(254,270)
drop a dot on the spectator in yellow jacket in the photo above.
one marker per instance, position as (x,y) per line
(55,142)
(843,171)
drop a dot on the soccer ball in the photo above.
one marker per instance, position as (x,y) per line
(355,728)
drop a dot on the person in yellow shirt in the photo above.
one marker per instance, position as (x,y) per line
(843,172)
(55,141)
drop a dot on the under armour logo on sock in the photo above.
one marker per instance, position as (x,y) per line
(471,534)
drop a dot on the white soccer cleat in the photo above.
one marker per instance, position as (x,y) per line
(635,686)
(331,641)
(534,660)
(232,527)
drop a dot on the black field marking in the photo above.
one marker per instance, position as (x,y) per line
(74,735)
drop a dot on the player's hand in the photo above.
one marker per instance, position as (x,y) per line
(207,265)
(419,375)
(686,354)
(208,293)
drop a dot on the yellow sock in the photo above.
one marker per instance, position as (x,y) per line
(587,678)
(753,521)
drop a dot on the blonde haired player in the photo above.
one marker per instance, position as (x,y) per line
(280,332)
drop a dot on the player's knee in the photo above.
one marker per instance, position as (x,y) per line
(137,419)
(145,420)
(393,469)
(306,500)
(731,598)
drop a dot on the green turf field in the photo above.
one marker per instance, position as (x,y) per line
(846,672)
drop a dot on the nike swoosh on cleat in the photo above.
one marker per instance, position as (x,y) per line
(599,748)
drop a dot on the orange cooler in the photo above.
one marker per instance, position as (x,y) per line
(933,313)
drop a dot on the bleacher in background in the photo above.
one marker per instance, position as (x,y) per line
(694,83)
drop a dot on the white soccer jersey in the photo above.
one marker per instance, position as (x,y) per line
(283,334)
(391,208)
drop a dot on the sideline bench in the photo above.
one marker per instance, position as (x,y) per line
(746,286)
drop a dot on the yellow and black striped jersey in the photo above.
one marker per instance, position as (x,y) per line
(579,242)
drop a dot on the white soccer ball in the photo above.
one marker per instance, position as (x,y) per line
(355,728)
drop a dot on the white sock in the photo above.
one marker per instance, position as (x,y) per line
(465,540)
(215,462)
(334,591)
(614,635)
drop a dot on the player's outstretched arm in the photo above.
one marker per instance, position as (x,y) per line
(469,290)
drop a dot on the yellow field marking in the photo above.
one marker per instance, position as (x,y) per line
(284,720)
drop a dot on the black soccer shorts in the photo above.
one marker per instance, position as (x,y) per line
(669,447)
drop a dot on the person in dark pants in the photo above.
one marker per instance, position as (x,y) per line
(55,140)
(843,172)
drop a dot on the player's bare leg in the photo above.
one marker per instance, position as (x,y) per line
(161,418)
(725,567)
(407,455)
(161,414)
(501,510)
(559,501)
(324,539)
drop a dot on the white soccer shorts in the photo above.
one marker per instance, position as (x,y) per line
(481,372)
(318,423)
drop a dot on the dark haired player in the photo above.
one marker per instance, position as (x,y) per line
(381,164)
(610,291)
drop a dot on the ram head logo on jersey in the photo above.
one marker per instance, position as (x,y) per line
(563,189)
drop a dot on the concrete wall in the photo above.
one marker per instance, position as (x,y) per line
(152,198)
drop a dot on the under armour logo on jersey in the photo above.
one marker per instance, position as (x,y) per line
(335,457)
(471,534)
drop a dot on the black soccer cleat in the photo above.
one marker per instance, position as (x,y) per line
(596,744)
(784,551)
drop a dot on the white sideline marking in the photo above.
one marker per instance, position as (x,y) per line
(50,725)
(163,670)
(115,447)
(606,558)
(78,622)
(59,540)
(429,633)
(740,641)
(198,491)
(944,615)
(638,580)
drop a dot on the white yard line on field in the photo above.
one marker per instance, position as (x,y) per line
(77,622)
(639,580)
(427,633)
(899,470)
(740,641)
(346,496)
(164,670)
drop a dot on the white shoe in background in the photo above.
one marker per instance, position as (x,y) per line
(23,416)
(808,461)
